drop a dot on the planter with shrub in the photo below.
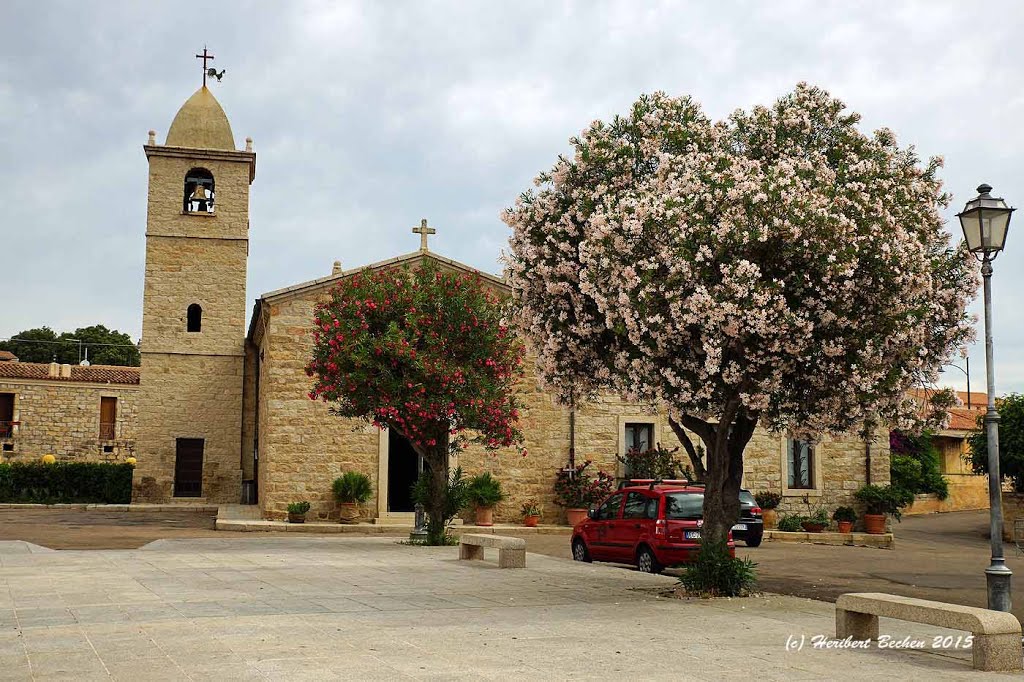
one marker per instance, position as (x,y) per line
(816,522)
(791,523)
(483,492)
(577,490)
(66,482)
(352,490)
(844,518)
(297,512)
(880,501)
(531,513)
(768,501)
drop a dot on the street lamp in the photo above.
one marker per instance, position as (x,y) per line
(985,221)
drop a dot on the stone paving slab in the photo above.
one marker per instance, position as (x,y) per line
(320,608)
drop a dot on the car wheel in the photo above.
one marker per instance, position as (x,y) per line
(754,541)
(579,551)
(646,562)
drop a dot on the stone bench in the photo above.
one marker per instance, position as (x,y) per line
(511,551)
(997,635)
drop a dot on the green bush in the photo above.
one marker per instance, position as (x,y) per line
(66,482)
(353,486)
(298,507)
(791,523)
(844,514)
(455,498)
(716,574)
(884,499)
(484,491)
(768,499)
(914,464)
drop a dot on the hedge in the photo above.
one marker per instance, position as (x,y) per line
(64,482)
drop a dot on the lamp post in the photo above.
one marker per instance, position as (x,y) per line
(985,221)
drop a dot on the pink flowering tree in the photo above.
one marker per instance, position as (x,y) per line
(425,352)
(779,269)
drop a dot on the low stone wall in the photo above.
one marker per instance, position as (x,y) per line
(966,492)
(885,541)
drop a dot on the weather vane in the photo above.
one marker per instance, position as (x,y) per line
(211,72)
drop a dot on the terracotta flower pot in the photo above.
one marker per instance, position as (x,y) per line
(296,518)
(812,527)
(485,516)
(770,518)
(874,524)
(348,512)
(531,521)
(845,526)
(574,516)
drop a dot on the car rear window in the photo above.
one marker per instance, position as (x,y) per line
(684,506)
(746,497)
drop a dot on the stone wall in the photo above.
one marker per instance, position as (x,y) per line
(192,382)
(63,419)
(302,447)
(189,396)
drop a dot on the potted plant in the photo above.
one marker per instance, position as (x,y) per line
(816,522)
(297,512)
(577,490)
(844,518)
(768,501)
(791,523)
(352,489)
(880,501)
(531,513)
(484,491)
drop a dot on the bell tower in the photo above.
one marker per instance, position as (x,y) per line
(193,320)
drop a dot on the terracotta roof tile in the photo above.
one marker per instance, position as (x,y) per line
(96,374)
(6,355)
(962,419)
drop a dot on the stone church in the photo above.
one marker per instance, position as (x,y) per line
(222,413)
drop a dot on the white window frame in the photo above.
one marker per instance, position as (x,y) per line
(655,423)
(816,472)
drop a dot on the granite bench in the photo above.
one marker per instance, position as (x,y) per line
(511,551)
(996,643)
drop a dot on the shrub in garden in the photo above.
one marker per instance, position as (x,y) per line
(576,489)
(66,482)
(352,487)
(716,574)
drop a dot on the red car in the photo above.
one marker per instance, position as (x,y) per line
(653,525)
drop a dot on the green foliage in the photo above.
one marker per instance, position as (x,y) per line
(716,574)
(914,464)
(844,514)
(352,486)
(576,489)
(818,516)
(658,463)
(768,499)
(105,346)
(530,508)
(66,482)
(298,508)
(455,497)
(791,523)
(884,499)
(1011,441)
(484,490)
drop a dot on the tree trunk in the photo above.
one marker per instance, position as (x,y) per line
(699,472)
(724,474)
(437,505)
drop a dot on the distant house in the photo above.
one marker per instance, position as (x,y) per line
(8,356)
(967,490)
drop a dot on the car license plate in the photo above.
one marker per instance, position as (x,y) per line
(740,526)
(693,535)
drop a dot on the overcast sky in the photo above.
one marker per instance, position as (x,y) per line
(369,116)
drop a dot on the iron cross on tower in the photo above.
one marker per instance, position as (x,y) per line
(423,231)
(205,56)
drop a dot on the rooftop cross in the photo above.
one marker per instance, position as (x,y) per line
(204,56)
(423,231)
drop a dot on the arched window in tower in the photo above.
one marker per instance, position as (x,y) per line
(198,191)
(194,318)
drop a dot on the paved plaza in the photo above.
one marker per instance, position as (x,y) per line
(370,608)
